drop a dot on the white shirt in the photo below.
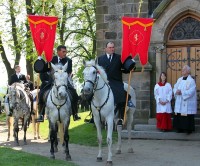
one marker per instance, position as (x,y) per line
(108,56)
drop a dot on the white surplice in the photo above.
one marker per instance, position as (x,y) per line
(186,103)
(163,93)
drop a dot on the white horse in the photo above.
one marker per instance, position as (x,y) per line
(19,101)
(58,108)
(102,105)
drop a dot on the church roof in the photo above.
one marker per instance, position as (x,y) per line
(160,8)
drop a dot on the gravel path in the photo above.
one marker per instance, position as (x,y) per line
(146,152)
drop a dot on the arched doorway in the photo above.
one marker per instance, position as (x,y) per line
(183,48)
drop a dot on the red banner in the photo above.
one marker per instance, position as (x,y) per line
(136,38)
(43,29)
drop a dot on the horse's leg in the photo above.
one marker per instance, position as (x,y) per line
(56,139)
(26,118)
(52,138)
(16,130)
(61,133)
(99,136)
(66,139)
(109,139)
(38,130)
(119,143)
(34,127)
(8,119)
(129,128)
(49,135)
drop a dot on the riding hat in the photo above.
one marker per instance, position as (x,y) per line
(129,63)
(39,66)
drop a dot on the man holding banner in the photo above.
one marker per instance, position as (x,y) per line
(47,82)
(113,66)
(43,29)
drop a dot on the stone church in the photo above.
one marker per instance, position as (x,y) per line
(175,41)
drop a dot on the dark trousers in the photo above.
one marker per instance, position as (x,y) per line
(120,109)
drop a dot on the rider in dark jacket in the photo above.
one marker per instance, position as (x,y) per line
(114,68)
(47,82)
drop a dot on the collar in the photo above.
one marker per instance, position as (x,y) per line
(108,55)
(161,84)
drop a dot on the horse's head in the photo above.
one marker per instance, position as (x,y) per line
(60,81)
(13,95)
(95,77)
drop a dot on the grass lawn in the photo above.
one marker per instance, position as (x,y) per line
(2,117)
(79,132)
(10,157)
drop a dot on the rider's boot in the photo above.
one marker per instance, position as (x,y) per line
(10,112)
(121,113)
(75,111)
(41,109)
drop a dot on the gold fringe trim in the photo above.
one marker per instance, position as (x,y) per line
(43,21)
(137,22)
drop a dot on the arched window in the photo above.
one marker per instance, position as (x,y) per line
(187,28)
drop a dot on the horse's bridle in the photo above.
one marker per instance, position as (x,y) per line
(57,105)
(95,83)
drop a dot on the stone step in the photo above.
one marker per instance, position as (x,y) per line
(150,127)
(161,135)
(152,121)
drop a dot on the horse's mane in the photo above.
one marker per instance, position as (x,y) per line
(21,85)
(100,69)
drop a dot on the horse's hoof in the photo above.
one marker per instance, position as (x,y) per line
(109,163)
(68,157)
(25,143)
(35,138)
(130,150)
(8,139)
(52,156)
(118,152)
(38,137)
(99,159)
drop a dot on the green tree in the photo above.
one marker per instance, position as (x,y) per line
(76,29)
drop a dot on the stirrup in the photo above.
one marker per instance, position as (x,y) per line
(40,119)
(120,122)
(76,117)
(10,114)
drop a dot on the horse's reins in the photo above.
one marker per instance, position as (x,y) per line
(58,106)
(95,83)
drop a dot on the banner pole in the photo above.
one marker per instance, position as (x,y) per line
(43,5)
(140,6)
(129,82)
